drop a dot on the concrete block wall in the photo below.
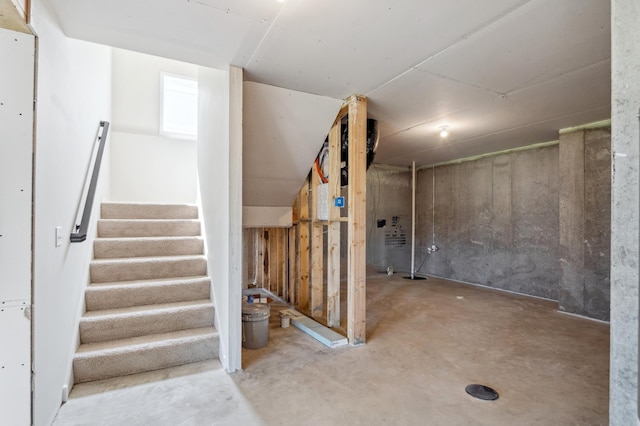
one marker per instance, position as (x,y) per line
(388,219)
(496,221)
(585,222)
(533,221)
(625,214)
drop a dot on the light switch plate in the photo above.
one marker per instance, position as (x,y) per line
(58,236)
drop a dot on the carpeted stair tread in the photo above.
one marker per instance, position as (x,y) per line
(112,248)
(148,211)
(130,344)
(144,308)
(146,292)
(114,228)
(146,268)
(96,361)
(158,280)
(114,324)
(148,304)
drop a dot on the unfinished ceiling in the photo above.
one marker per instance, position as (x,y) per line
(499,73)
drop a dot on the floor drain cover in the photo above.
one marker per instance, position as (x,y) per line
(482,392)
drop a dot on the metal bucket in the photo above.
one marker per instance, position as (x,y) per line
(255,325)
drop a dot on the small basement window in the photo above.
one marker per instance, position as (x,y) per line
(178,106)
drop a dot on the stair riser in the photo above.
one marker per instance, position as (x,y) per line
(105,366)
(104,272)
(98,297)
(146,255)
(115,248)
(148,211)
(144,323)
(128,229)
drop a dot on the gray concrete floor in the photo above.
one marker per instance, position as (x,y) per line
(426,340)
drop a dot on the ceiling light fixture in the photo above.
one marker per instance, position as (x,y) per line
(444,131)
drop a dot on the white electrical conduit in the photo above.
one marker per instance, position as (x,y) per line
(433,247)
(433,207)
(413,219)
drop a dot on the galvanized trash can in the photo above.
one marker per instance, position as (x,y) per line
(255,325)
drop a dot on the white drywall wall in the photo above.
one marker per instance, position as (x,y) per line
(16,148)
(265,217)
(235,217)
(152,169)
(74,92)
(220,178)
(283,132)
(145,166)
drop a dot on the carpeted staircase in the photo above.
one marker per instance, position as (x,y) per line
(148,305)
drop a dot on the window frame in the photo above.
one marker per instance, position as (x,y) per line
(161,123)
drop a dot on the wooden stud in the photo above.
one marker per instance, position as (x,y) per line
(294,272)
(282,263)
(357,196)
(317,270)
(344,110)
(247,241)
(317,245)
(333,231)
(273,260)
(267,259)
(294,210)
(260,258)
(304,247)
(291,291)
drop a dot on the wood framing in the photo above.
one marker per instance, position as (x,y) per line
(317,270)
(283,268)
(317,255)
(357,224)
(333,230)
(294,254)
(260,257)
(293,274)
(293,264)
(273,260)
(304,246)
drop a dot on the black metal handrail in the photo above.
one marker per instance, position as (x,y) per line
(81,230)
